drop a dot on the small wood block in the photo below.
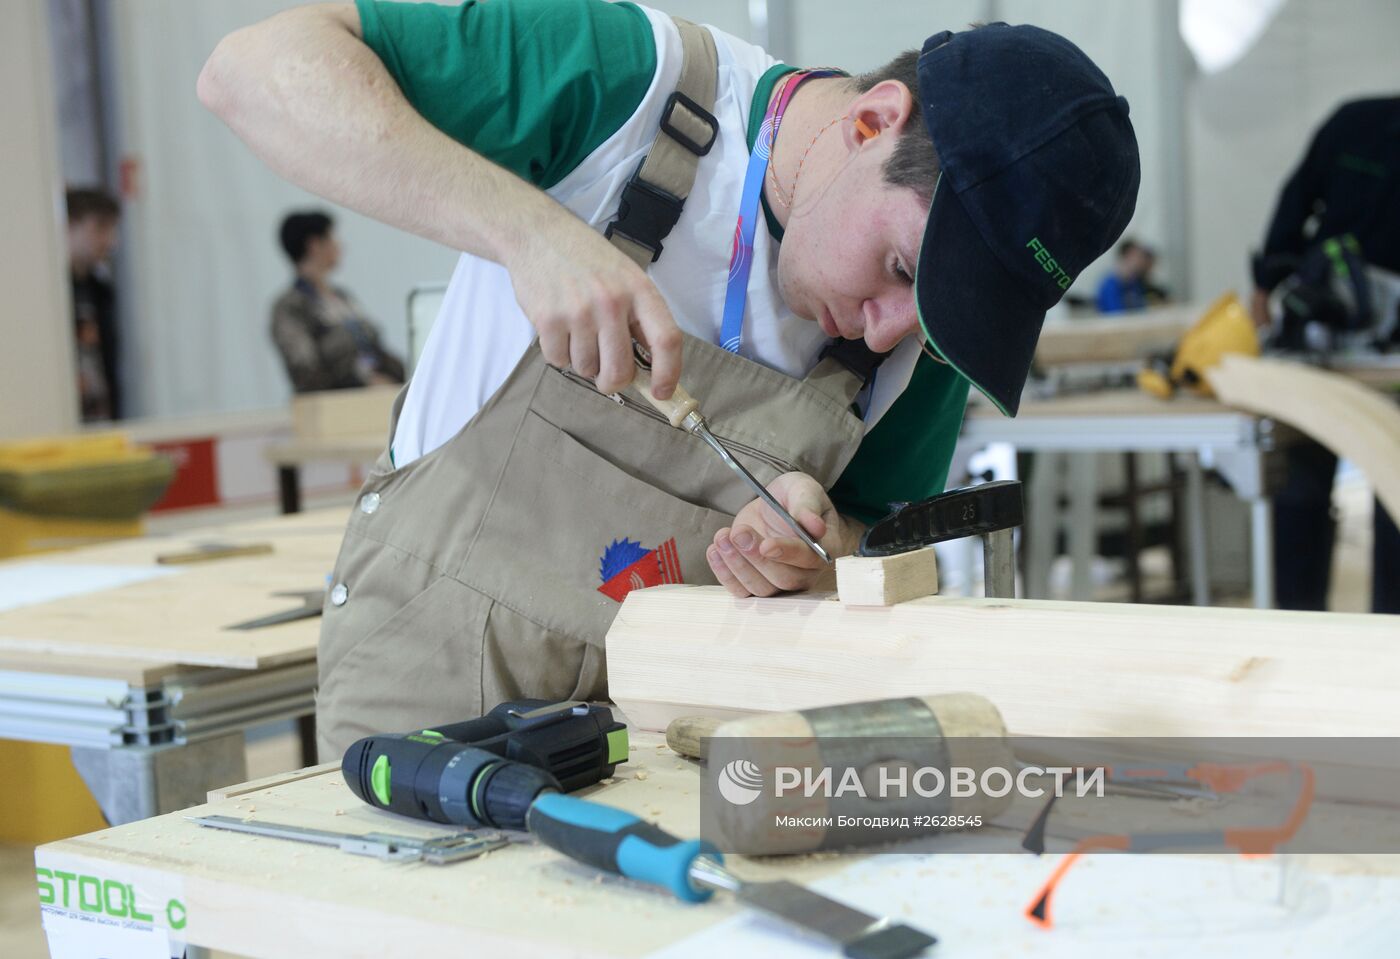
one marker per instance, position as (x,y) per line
(328,414)
(886,580)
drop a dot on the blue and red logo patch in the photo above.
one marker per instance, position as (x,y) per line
(626,566)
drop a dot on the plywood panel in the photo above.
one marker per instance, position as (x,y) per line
(179,619)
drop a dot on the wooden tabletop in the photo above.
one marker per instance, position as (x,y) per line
(178,619)
(259,896)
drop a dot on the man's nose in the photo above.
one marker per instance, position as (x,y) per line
(889,321)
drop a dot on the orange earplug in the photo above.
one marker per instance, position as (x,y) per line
(866,130)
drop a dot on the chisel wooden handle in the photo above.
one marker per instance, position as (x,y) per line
(676,409)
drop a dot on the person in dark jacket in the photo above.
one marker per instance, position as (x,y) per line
(93,217)
(326,341)
(1347,184)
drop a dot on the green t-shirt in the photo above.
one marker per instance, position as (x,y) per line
(538,85)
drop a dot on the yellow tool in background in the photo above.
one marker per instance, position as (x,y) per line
(1226,327)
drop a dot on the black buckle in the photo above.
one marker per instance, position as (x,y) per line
(705,116)
(854,356)
(646,214)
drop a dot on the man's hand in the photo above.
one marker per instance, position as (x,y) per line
(588,301)
(760,555)
(310,98)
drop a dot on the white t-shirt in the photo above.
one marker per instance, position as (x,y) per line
(481,334)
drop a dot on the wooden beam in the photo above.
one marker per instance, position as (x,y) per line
(1351,420)
(1052,668)
(1110,339)
(886,580)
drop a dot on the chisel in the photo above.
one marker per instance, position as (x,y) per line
(619,842)
(683,412)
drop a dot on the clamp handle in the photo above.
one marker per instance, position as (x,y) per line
(619,842)
(970,511)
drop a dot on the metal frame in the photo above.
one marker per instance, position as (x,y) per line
(181,709)
(150,749)
(1237,444)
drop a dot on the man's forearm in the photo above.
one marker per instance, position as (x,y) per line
(315,103)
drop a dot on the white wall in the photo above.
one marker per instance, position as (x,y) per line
(1125,40)
(201,233)
(38,385)
(1248,126)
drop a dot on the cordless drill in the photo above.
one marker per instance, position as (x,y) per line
(487,771)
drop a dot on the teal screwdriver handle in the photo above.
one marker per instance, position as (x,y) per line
(619,842)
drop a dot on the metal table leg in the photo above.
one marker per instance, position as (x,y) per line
(289,484)
(1261,551)
(1196,531)
(137,782)
(1083,522)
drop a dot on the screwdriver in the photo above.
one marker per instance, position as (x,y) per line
(683,412)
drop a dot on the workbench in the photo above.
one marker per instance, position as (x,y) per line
(266,897)
(1235,443)
(290,457)
(338,426)
(140,677)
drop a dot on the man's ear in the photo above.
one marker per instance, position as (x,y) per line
(883,109)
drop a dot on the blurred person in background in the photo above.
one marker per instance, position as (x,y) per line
(1129,286)
(325,339)
(1345,190)
(93,216)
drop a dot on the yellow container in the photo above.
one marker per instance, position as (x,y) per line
(56,494)
(22,534)
(46,799)
(61,492)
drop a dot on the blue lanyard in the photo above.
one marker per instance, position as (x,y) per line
(741,255)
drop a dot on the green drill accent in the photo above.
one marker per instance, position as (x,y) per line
(617,746)
(379,779)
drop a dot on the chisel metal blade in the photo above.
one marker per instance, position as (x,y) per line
(761,492)
(860,935)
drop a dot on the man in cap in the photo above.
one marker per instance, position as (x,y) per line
(853,251)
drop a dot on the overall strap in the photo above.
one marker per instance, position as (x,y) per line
(652,199)
(845,368)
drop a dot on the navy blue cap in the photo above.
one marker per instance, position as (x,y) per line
(1039,176)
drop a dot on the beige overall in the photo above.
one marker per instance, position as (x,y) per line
(492,567)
